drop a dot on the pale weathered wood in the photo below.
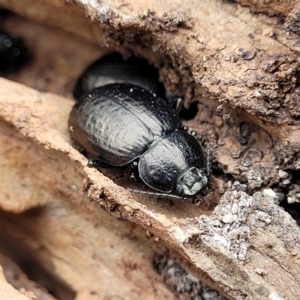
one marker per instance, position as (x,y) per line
(8,292)
(14,275)
(234,238)
(76,240)
(246,246)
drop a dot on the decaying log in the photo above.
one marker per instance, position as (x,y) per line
(241,68)
(271,8)
(14,275)
(52,193)
(247,235)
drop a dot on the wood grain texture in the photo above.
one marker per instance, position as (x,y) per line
(239,240)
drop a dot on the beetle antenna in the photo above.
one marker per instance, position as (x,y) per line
(179,104)
(208,164)
(197,201)
(155,194)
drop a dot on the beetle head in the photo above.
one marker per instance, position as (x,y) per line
(191,182)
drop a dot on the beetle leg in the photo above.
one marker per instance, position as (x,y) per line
(155,194)
(178,105)
(134,174)
(185,128)
(118,176)
(204,195)
(97,163)
(129,172)
(174,101)
(193,133)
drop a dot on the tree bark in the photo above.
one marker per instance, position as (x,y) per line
(241,68)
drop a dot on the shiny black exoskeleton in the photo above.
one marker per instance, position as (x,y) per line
(122,124)
(12,52)
(112,68)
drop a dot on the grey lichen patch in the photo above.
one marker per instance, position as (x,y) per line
(98,11)
(274,195)
(254,177)
(236,218)
(109,13)
(227,226)
(183,284)
(292,24)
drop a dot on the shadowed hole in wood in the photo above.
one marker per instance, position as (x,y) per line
(190,112)
(293,209)
(291,201)
(23,256)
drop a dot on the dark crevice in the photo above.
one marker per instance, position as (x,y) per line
(189,113)
(293,209)
(292,193)
(25,258)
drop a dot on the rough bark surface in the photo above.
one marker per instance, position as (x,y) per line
(67,232)
(270,7)
(241,68)
(7,290)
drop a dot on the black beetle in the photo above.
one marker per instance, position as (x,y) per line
(12,52)
(122,124)
(112,68)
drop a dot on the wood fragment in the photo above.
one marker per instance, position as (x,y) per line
(239,241)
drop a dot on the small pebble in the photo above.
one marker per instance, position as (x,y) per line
(228,219)
(286,182)
(269,193)
(261,272)
(283,174)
